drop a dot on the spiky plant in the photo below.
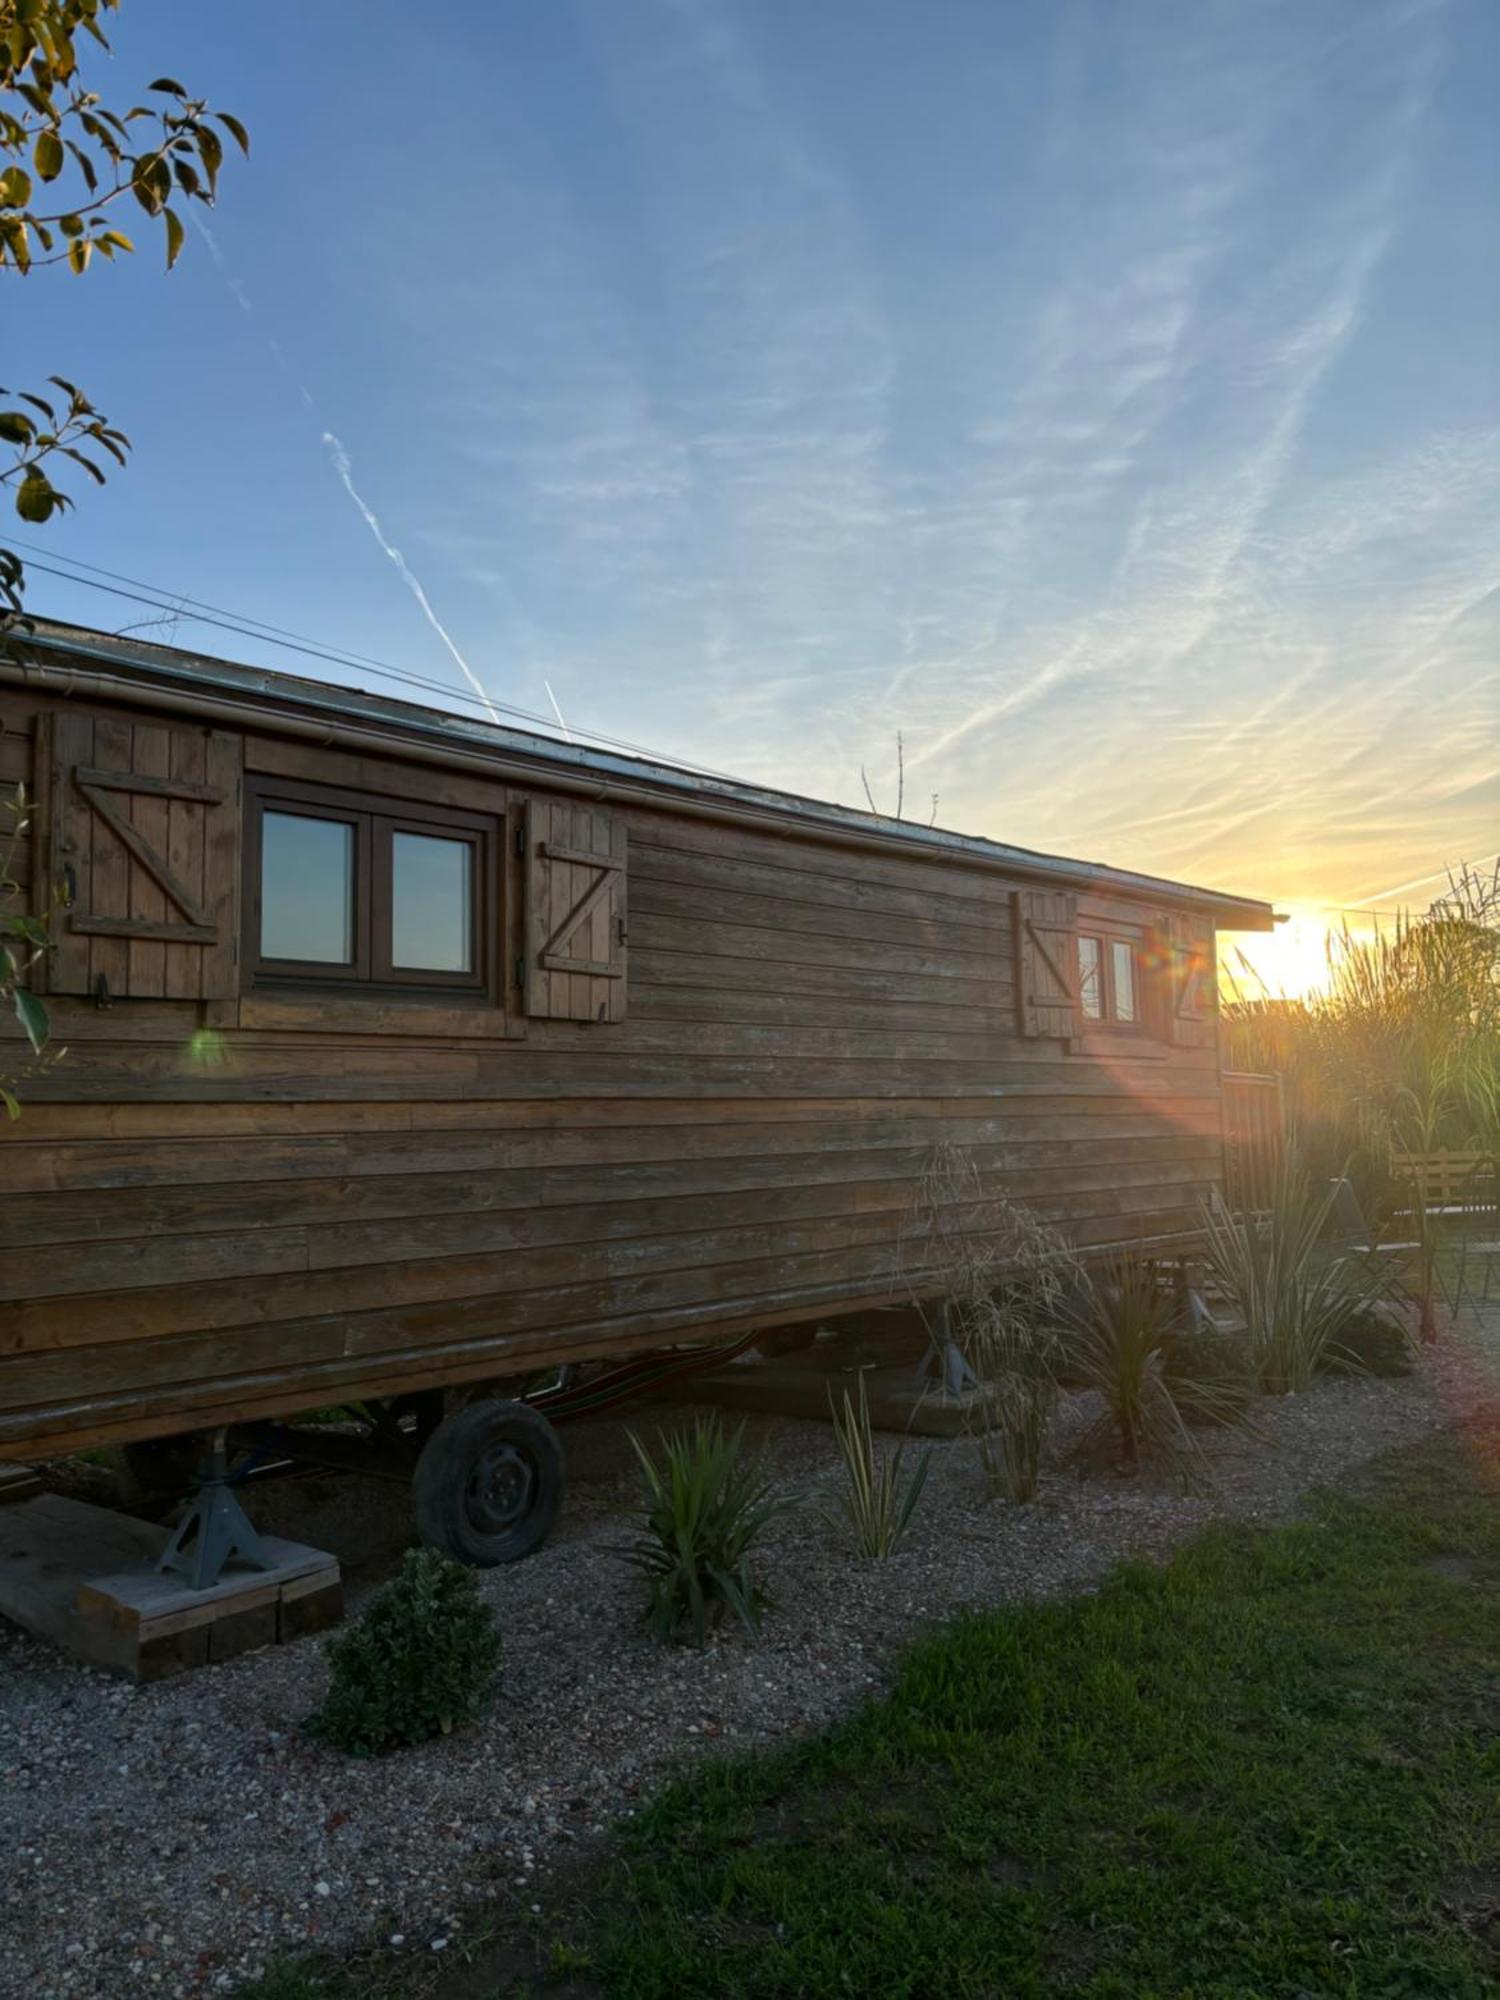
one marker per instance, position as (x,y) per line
(1277,1274)
(707,1501)
(1119,1330)
(876,1505)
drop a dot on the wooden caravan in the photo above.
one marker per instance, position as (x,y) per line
(406,1051)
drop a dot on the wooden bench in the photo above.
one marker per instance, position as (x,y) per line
(1448,1181)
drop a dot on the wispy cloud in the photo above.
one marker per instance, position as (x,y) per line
(1088,522)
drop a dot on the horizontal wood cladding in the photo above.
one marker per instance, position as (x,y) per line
(423,1304)
(220,1207)
(445,1155)
(164,1235)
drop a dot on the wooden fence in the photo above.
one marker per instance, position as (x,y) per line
(1253,1137)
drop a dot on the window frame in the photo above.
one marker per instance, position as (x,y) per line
(376,818)
(1108,935)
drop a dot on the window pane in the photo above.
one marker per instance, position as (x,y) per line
(1089,996)
(432,897)
(307,888)
(1123,967)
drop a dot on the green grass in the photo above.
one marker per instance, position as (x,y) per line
(1269,1768)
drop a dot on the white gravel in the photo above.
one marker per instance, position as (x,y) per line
(170,1840)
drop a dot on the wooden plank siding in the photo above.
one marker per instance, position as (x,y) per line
(205,1219)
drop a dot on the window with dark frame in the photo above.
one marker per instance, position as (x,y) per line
(1109,983)
(344,890)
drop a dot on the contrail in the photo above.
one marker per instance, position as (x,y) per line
(557,711)
(403,570)
(1400,888)
(345,472)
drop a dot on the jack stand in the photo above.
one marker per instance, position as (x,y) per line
(945,1360)
(215,1530)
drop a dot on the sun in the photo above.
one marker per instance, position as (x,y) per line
(1289,963)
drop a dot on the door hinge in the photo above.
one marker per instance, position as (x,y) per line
(520,970)
(520,837)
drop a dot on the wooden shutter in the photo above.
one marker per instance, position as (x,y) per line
(1191,995)
(144,850)
(575,958)
(1046,928)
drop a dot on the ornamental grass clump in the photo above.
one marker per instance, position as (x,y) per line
(1294,1296)
(876,1505)
(988,1276)
(707,1503)
(421,1662)
(1120,1340)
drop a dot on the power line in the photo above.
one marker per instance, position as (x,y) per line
(157,598)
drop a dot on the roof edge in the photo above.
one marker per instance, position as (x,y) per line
(276,697)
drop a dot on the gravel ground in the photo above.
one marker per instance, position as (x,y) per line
(169,1840)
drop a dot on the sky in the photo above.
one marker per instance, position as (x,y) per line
(1104,396)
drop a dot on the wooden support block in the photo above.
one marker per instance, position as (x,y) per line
(309,1604)
(135,1620)
(18,1482)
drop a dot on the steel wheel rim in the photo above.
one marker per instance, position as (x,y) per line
(501,1489)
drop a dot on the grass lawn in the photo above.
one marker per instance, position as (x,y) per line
(1271,1768)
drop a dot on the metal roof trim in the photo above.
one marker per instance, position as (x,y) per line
(245,686)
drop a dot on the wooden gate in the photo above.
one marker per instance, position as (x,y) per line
(1253,1137)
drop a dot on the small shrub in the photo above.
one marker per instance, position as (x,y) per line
(419,1663)
(707,1504)
(1373,1342)
(1120,1332)
(875,1507)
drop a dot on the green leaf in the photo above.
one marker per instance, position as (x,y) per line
(168,83)
(236,131)
(12,1108)
(33,1018)
(16,428)
(15,187)
(80,250)
(175,234)
(47,155)
(37,499)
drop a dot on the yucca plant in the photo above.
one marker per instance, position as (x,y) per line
(876,1505)
(707,1501)
(1119,1331)
(1275,1270)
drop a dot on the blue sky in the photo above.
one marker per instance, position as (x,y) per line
(1106,396)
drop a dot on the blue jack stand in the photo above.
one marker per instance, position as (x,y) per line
(215,1531)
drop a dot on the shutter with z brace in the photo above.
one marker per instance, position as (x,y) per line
(144,852)
(1046,932)
(1191,989)
(575,958)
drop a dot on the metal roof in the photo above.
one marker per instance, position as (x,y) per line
(93,657)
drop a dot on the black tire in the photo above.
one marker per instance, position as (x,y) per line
(488,1484)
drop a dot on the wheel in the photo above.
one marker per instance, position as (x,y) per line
(488,1484)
